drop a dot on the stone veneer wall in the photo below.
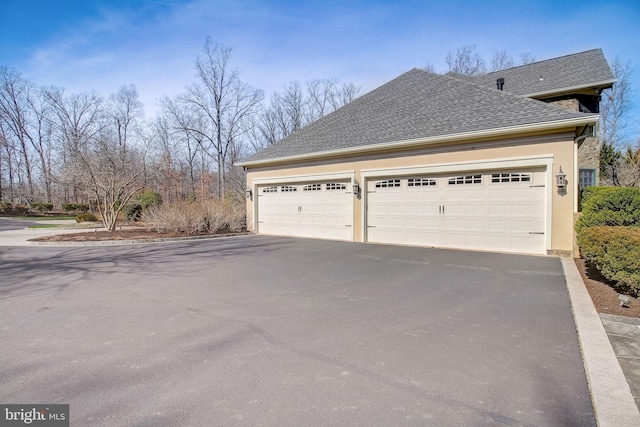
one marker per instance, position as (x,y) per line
(589,150)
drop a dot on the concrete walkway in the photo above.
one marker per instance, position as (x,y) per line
(21,236)
(624,334)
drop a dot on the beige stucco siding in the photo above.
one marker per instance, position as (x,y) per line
(549,150)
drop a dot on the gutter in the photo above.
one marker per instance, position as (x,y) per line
(411,143)
(605,84)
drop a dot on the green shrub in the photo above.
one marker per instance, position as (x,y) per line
(614,206)
(20,210)
(149,198)
(6,207)
(132,212)
(83,217)
(75,207)
(43,207)
(615,252)
(68,207)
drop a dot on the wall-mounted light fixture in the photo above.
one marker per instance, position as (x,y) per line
(561,180)
(248,193)
(356,188)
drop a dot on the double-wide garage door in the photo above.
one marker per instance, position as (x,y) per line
(319,209)
(495,210)
(486,210)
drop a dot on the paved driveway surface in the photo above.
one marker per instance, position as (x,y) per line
(272,331)
(14,224)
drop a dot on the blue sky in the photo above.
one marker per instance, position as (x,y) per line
(99,45)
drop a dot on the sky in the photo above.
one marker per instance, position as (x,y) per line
(100,45)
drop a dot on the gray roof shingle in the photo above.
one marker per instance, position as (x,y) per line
(417,104)
(582,69)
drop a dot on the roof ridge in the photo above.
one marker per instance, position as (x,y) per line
(539,62)
(503,92)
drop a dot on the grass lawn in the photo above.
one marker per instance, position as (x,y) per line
(44,226)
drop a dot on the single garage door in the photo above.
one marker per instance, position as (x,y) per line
(494,210)
(321,210)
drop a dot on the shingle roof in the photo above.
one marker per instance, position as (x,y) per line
(417,104)
(582,69)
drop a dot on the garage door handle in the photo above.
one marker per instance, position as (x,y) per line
(536,232)
(532,186)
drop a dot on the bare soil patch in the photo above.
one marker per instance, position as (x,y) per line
(604,296)
(126,234)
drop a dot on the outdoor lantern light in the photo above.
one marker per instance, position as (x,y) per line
(248,193)
(561,182)
(356,187)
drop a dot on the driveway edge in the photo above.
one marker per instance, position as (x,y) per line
(613,403)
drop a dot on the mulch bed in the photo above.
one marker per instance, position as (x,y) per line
(604,296)
(127,234)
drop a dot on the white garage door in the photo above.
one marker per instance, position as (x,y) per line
(321,210)
(495,210)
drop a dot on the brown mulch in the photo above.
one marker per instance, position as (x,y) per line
(127,234)
(604,296)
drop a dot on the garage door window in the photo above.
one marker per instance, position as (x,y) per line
(288,188)
(388,183)
(273,189)
(336,186)
(466,179)
(312,187)
(510,177)
(421,182)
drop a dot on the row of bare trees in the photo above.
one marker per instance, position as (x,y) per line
(57,147)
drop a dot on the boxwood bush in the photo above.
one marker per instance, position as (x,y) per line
(615,252)
(615,206)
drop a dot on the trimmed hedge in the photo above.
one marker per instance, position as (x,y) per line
(614,206)
(615,252)
(78,207)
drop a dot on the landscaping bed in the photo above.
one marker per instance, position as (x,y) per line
(127,234)
(604,296)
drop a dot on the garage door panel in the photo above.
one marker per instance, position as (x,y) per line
(309,210)
(483,210)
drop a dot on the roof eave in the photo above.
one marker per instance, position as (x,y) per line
(410,143)
(604,84)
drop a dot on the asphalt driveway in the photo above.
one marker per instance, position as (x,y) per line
(271,331)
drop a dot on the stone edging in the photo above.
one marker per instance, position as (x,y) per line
(613,403)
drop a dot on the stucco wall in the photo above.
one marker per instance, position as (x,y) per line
(558,147)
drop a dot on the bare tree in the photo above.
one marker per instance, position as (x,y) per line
(466,61)
(14,92)
(429,68)
(613,121)
(224,101)
(501,60)
(292,109)
(628,172)
(111,174)
(347,93)
(527,58)
(125,111)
